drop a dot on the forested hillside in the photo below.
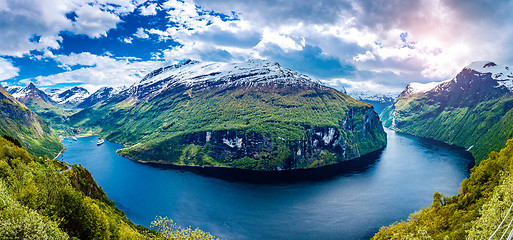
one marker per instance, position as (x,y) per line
(42,198)
(475,213)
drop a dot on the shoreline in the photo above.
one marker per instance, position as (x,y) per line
(352,166)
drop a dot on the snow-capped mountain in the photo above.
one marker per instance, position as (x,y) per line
(71,96)
(416,88)
(372,96)
(215,104)
(100,95)
(207,75)
(31,94)
(468,110)
(499,75)
(13,89)
(379,100)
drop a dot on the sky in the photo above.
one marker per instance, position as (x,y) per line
(376,46)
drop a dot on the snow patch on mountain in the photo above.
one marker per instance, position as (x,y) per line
(101,95)
(373,96)
(23,92)
(193,73)
(73,95)
(415,87)
(13,89)
(501,73)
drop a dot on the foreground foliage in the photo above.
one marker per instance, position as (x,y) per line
(474,213)
(44,199)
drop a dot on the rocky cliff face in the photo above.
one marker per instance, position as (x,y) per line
(320,146)
(473,110)
(255,115)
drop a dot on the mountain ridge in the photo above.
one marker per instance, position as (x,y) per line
(20,122)
(472,110)
(255,115)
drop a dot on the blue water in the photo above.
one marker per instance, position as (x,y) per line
(352,205)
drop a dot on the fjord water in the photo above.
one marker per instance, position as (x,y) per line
(352,205)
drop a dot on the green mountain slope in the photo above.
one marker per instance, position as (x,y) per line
(255,115)
(32,131)
(472,110)
(475,213)
(42,104)
(42,198)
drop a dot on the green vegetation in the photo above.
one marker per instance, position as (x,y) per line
(482,126)
(169,230)
(164,127)
(42,198)
(28,128)
(482,203)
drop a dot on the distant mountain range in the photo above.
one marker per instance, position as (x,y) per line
(254,115)
(472,110)
(379,100)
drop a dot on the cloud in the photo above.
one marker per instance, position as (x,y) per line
(7,70)
(149,10)
(37,24)
(310,60)
(439,36)
(388,43)
(93,21)
(95,70)
(141,33)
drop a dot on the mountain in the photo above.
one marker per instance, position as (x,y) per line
(71,97)
(20,123)
(379,100)
(101,95)
(253,115)
(472,110)
(475,213)
(42,198)
(31,95)
(42,104)
(12,89)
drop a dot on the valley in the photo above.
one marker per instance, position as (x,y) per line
(258,116)
(265,119)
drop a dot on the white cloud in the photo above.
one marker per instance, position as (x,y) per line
(281,40)
(141,33)
(149,10)
(368,86)
(22,22)
(364,57)
(93,21)
(7,70)
(99,70)
(443,35)
(128,40)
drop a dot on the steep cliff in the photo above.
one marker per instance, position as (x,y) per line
(254,115)
(473,110)
(27,127)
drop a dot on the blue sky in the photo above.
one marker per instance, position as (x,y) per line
(377,46)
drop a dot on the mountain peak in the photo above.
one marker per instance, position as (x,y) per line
(499,72)
(416,88)
(31,86)
(220,75)
(71,96)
